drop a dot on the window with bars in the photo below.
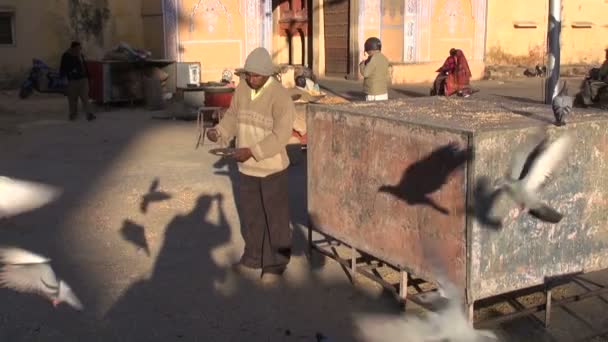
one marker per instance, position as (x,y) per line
(7,27)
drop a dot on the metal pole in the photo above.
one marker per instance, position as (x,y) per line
(555,28)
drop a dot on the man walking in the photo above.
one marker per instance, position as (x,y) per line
(261,116)
(375,71)
(74,68)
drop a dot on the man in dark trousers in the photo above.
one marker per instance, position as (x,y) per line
(261,117)
(74,68)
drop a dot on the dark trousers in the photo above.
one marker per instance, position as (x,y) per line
(78,89)
(439,85)
(265,212)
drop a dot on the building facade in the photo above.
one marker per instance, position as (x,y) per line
(517,31)
(325,34)
(416,35)
(43,29)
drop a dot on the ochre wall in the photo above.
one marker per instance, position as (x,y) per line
(219,36)
(507,44)
(44,29)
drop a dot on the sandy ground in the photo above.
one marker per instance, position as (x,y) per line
(159,271)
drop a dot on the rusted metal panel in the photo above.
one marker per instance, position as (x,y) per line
(353,156)
(526,251)
(354,150)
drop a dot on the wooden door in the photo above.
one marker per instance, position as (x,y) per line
(336,17)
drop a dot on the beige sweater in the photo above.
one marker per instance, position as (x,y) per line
(375,75)
(263,122)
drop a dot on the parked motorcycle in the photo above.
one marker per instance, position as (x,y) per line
(42,79)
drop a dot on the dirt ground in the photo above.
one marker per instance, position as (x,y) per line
(153,266)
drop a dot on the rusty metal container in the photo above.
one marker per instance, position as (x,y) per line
(356,150)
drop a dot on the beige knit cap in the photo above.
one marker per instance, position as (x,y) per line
(259,62)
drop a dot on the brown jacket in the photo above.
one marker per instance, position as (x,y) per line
(375,75)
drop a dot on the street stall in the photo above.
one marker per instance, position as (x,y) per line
(115,81)
(397,181)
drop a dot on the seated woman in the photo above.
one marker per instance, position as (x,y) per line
(454,77)
(458,82)
(447,68)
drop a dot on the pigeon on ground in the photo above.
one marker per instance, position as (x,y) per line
(529,173)
(26,272)
(562,105)
(153,195)
(19,196)
(541,71)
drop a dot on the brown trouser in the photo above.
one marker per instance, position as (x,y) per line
(265,213)
(78,89)
(439,84)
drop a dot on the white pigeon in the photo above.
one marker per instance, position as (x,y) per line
(19,196)
(27,272)
(447,324)
(562,105)
(529,173)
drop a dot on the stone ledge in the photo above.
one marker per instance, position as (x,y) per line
(494,72)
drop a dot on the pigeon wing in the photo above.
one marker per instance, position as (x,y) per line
(68,296)
(546,163)
(524,154)
(19,196)
(18,256)
(37,278)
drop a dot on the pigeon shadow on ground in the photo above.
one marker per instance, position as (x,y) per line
(426,176)
(162,306)
(153,195)
(136,235)
(191,296)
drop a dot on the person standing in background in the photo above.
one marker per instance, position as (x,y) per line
(375,71)
(74,68)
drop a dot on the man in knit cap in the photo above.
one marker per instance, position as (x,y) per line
(261,117)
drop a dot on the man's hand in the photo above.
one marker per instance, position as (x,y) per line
(212,134)
(242,154)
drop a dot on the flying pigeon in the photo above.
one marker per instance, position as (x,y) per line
(19,196)
(530,171)
(153,195)
(562,105)
(27,272)
(485,199)
(449,323)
